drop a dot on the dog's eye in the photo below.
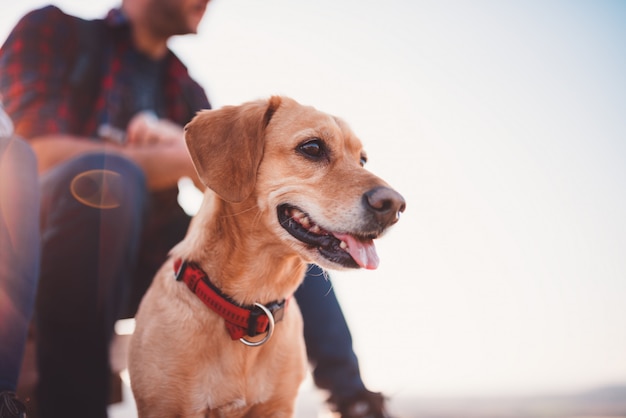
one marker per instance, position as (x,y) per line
(313,149)
(363,160)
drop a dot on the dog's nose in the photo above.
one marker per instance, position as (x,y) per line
(385,203)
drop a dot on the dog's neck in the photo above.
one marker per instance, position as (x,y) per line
(236,257)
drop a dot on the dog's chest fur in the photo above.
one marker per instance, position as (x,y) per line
(223,377)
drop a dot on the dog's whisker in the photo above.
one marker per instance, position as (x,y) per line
(232,215)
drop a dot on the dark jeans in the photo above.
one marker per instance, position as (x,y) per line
(89,256)
(19,253)
(327,337)
(100,252)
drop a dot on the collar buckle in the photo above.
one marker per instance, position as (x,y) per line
(253,318)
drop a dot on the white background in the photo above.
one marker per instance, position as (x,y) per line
(503,123)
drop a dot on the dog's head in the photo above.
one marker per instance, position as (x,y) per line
(304,170)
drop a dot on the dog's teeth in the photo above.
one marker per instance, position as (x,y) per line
(298,217)
(306,222)
(315,229)
(343,245)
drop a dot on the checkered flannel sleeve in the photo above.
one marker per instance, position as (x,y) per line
(34,65)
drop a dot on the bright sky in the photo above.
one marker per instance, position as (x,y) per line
(504,126)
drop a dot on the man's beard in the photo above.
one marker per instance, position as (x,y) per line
(167,18)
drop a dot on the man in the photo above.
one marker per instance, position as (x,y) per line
(102,104)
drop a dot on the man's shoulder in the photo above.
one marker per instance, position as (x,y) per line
(47,15)
(48,24)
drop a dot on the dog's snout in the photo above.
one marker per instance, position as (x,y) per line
(386,204)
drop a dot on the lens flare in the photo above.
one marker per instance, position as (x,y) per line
(97,188)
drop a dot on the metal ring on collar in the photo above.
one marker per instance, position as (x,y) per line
(270,329)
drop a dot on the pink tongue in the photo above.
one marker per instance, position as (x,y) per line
(363,252)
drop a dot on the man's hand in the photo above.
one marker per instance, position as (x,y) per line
(159,146)
(146,129)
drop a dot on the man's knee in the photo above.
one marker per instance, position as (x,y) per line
(92,190)
(97,180)
(17,159)
(95,166)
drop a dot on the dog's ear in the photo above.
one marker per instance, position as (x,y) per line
(226,146)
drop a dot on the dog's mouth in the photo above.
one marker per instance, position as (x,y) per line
(347,250)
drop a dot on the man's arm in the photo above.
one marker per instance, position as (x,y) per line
(163,160)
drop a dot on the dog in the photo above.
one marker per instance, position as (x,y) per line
(218,333)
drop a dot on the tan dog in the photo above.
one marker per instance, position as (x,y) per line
(286,187)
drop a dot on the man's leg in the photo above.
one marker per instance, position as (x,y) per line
(329,348)
(328,339)
(19,259)
(165,226)
(92,211)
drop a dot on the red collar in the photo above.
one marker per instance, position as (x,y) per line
(240,320)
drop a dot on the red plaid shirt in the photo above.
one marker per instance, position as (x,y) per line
(40,56)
